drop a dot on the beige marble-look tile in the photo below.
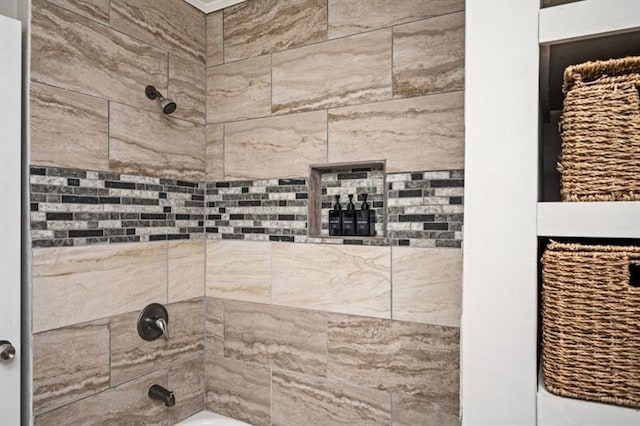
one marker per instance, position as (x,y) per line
(292,339)
(72,285)
(239,270)
(276,146)
(428,56)
(153,144)
(126,404)
(263,26)
(187,89)
(186,270)
(336,278)
(421,360)
(354,16)
(171,25)
(97,10)
(69,364)
(422,133)
(132,357)
(238,390)
(100,61)
(215,152)
(215,41)
(186,381)
(409,411)
(239,90)
(214,327)
(68,129)
(341,72)
(299,399)
(427,285)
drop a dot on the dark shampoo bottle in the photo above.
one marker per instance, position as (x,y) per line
(349,218)
(335,218)
(365,219)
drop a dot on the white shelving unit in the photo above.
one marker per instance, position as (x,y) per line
(586,20)
(511,49)
(593,220)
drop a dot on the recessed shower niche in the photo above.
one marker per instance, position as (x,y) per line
(358,186)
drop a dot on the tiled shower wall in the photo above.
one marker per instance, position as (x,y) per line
(280,85)
(108,167)
(341,331)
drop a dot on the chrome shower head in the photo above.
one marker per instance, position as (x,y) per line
(168,106)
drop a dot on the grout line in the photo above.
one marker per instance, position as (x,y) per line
(391,85)
(332,108)
(426,18)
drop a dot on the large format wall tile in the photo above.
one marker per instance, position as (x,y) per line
(337,278)
(239,90)
(287,338)
(150,143)
(77,284)
(171,25)
(423,133)
(68,129)
(239,390)
(94,9)
(125,404)
(409,411)
(215,152)
(276,146)
(262,26)
(215,41)
(214,326)
(354,16)
(186,270)
(239,270)
(69,364)
(341,72)
(187,89)
(132,357)
(427,285)
(299,400)
(100,61)
(186,381)
(418,359)
(428,56)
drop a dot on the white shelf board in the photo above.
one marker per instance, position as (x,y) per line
(587,19)
(554,410)
(620,219)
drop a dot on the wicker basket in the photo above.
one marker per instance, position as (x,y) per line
(600,128)
(591,323)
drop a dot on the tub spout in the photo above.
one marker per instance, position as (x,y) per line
(162,394)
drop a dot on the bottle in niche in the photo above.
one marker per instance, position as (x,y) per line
(335,218)
(365,219)
(349,218)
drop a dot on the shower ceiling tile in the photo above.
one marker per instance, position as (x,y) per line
(208,6)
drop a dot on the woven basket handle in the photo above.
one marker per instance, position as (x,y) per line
(577,75)
(634,273)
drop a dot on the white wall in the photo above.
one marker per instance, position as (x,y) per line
(499,316)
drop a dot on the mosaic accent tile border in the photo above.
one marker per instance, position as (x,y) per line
(75,207)
(426,208)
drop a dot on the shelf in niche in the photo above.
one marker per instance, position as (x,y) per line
(553,410)
(553,61)
(325,176)
(616,219)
